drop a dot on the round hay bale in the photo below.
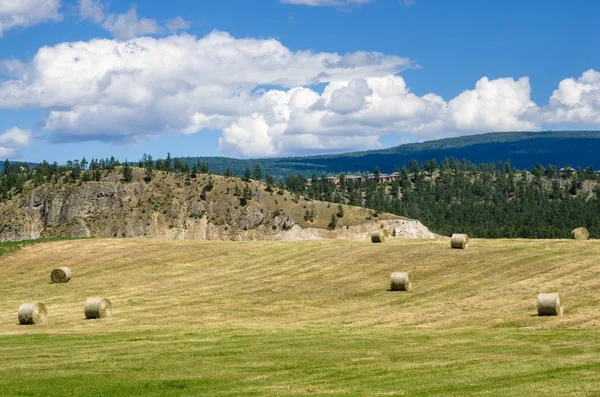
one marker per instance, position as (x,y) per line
(459,241)
(581,233)
(33,313)
(61,275)
(549,305)
(97,308)
(379,236)
(400,282)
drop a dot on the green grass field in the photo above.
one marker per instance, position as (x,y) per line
(302,318)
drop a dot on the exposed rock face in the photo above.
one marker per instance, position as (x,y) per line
(114,209)
(284,222)
(404,228)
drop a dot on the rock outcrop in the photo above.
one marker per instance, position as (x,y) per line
(170,210)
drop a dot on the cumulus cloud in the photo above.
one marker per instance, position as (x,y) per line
(114,91)
(177,23)
(127,26)
(12,67)
(262,96)
(496,105)
(575,102)
(13,140)
(25,13)
(358,112)
(144,69)
(91,10)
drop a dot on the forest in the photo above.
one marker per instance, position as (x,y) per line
(486,200)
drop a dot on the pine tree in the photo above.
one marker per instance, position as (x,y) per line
(257,172)
(127,173)
(149,167)
(333,222)
(340,211)
(247,175)
(270,182)
(168,164)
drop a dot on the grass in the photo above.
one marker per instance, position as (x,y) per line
(10,247)
(302,318)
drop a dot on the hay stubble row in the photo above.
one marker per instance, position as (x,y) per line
(293,284)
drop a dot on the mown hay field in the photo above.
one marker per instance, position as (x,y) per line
(302,318)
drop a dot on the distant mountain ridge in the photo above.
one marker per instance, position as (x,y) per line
(524,149)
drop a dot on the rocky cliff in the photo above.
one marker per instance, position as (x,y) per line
(169,207)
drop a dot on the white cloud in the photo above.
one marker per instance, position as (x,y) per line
(13,140)
(575,102)
(496,105)
(146,69)
(127,26)
(12,67)
(325,3)
(351,98)
(358,112)
(114,91)
(261,95)
(92,10)
(25,13)
(177,23)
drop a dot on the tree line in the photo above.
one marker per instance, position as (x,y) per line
(488,200)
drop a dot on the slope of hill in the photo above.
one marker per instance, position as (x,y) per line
(171,206)
(302,318)
(524,149)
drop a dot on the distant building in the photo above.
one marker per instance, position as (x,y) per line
(362,178)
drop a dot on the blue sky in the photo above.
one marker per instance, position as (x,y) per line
(271,78)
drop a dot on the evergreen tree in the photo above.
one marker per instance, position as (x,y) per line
(270,182)
(127,172)
(257,172)
(148,167)
(377,174)
(247,175)
(340,211)
(168,166)
(333,222)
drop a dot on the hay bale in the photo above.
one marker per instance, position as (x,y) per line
(400,282)
(459,241)
(379,236)
(33,313)
(61,275)
(581,233)
(549,305)
(98,308)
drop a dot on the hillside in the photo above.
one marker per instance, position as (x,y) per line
(524,149)
(176,206)
(302,318)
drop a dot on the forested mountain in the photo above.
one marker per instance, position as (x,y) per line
(486,200)
(524,149)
